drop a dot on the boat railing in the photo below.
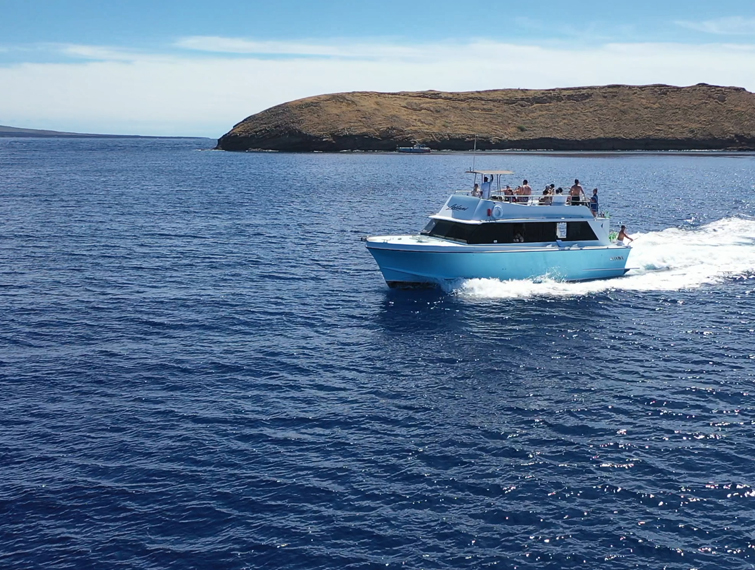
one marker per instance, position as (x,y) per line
(520,200)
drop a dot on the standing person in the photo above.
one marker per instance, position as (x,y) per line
(576,193)
(526,190)
(486,189)
(594,203)
(623,235)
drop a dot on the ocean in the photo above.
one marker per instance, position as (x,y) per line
(202,367)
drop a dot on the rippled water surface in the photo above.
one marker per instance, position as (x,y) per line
(201,367)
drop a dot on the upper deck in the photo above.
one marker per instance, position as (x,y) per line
(463,207)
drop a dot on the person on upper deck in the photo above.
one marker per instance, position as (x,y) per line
(508,193)
(526,191)
(546,199)
(559,198)
(486,188)
(576,194)
(594,203)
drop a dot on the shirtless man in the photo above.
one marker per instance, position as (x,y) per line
(526,188)
(623,235)
(576,193)
(526,191)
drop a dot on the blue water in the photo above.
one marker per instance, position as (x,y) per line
(201,367)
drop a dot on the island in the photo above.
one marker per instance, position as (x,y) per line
(604,118)
(17,132)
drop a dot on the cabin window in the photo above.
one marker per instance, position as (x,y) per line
(498,232)
(449,230)
(580,231)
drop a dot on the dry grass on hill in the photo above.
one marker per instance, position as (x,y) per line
(584,118)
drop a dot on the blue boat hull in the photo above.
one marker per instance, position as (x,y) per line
(412,268)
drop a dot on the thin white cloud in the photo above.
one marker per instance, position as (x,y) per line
(216,44)
(734,25)
(114,90)
(96,52)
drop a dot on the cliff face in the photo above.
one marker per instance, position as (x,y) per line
(614,117)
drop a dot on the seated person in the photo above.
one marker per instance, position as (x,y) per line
(546,198)
(508,193)
(559,199)
(476,191)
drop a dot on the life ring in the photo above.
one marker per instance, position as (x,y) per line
(497,211)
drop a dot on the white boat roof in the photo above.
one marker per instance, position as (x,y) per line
(472,210)
(489,172)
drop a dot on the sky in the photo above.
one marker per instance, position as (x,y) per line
(196,68)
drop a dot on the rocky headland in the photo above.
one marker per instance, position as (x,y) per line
(613,117)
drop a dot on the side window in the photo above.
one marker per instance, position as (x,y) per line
(492,233)
(580,231)
(537,231)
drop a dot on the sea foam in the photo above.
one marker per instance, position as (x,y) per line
(668,260)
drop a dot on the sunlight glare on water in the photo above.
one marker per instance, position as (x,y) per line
(201,366)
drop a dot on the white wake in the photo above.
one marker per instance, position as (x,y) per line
(669,260)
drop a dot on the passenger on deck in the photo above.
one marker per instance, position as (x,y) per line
(594,203)
(559,199)
(476,191)
(546,199)
(486,189)
(623,236)
(576,194)
(508,193)
(526,191)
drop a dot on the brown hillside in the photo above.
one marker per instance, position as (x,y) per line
(614,117)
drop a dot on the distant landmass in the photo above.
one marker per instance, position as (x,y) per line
(612,117)
(6,131)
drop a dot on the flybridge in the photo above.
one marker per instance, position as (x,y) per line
(463,207)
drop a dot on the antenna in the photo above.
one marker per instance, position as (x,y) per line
(474,152)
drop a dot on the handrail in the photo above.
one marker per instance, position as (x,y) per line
(522,200)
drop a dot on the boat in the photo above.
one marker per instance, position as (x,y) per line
(501,237)
(416,148)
